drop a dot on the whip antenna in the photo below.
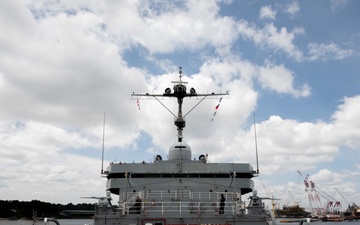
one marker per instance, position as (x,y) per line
(256,148)
(103,144)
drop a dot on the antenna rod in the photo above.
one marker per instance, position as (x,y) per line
(103,144)
(256,148)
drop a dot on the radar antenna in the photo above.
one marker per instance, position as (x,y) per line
(179,92)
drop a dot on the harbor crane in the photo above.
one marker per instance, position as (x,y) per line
(314,199)
(332,206)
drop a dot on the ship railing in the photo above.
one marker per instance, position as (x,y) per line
(186,194)
(182,201)
(189,207)
(179,208)
(213,196)
(168,194)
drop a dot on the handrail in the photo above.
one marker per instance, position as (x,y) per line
(183,202)
(171,199)
(185,207)
(186,194)
(180,207)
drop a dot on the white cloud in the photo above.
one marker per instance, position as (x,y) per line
(271,37)
(190,25)
(289,145)
(63,71)
(266,12)
(326,52)
(280,79)
(293,144)
(347,122)
(193,26)
(292,9)
(338,4)
(34,154)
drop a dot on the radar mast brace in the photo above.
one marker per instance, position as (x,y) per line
(179,93)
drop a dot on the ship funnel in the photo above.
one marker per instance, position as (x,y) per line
(180,150)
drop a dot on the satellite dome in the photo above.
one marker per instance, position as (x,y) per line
(180,150)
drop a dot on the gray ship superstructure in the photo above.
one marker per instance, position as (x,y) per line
(180,189)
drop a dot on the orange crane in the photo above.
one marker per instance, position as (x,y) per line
(313,198)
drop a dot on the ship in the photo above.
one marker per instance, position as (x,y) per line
(294,211)
(181,189)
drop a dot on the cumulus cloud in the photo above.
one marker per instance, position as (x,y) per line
(290,145)
(191,26)
(347,123)
(292,9)
(34,154)
(270,37)
(266,12)
(280,79)
(294,144)
(326,52)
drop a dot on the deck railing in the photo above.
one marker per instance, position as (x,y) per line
(187,195)
(182,203)
(180,208)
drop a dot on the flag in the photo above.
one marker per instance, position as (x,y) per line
(216,108)
(138,103)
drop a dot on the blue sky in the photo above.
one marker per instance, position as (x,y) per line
(292,63)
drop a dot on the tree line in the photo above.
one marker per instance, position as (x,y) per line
(15,209)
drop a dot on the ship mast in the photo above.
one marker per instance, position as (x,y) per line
(179,92)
